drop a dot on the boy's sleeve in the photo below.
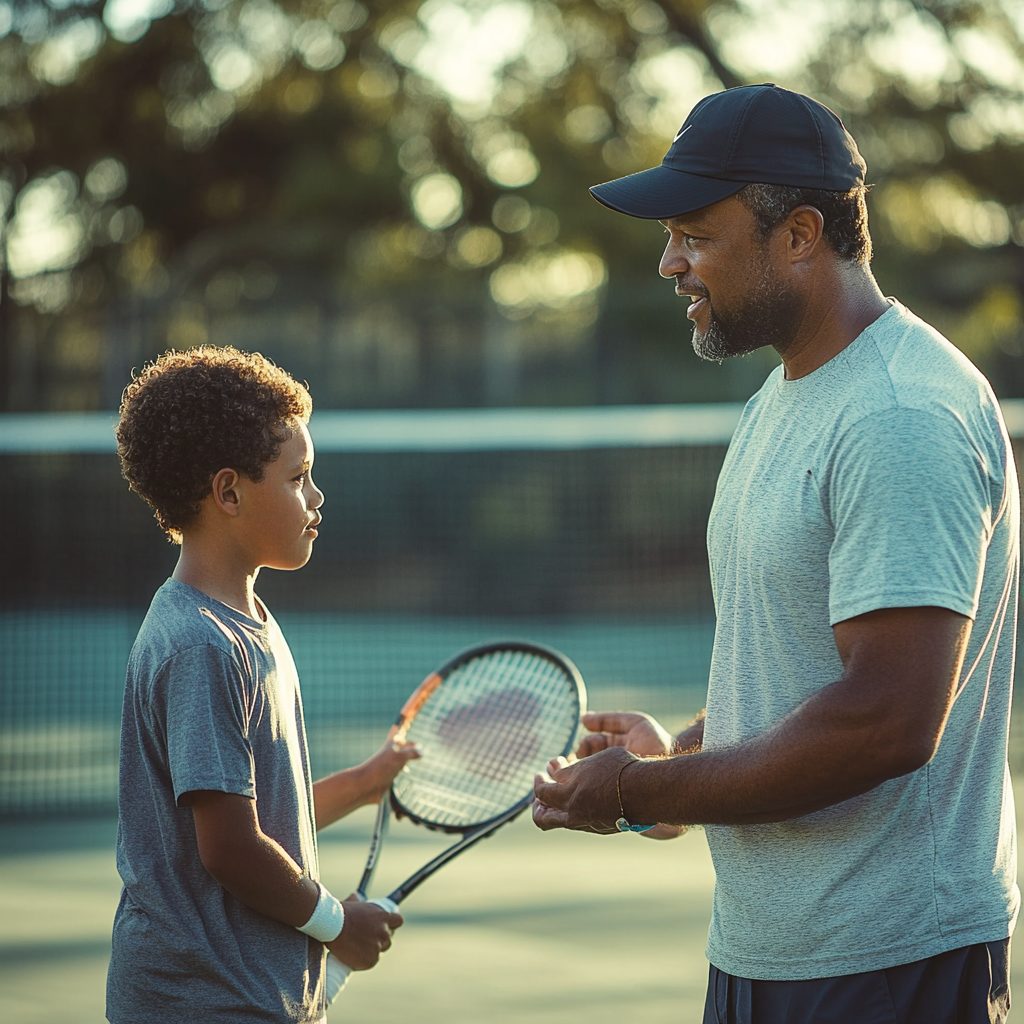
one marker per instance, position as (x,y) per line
(910,502)
(208,714)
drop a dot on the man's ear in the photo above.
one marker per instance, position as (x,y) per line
(805,228)
(224,491)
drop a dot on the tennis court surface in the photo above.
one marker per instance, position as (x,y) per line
(545,927)
(528,926)
(581,530)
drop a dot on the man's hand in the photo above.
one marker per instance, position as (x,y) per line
(582,795)
(638,733)
(367,934)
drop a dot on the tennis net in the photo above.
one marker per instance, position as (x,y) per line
(579,528)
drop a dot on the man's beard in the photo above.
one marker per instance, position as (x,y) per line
(768,316)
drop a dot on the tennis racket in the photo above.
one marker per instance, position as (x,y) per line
(485,722)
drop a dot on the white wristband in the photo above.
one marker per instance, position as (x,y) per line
(327,919)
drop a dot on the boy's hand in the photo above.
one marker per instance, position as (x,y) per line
(381,768)
(367,934)
(341,793)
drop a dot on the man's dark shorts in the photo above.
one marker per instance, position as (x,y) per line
(965,986)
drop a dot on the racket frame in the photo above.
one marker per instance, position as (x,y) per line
(473,833)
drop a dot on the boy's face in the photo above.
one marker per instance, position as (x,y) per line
(279,514)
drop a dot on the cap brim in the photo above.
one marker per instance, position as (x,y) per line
(661,192)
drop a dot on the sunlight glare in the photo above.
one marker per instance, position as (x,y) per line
(437,200)
(493,33)
(992,56)
(771,37)
(231,67)
(128,20)
(46,233)
(552,280)
(915,48)
(59,57)
(675,80)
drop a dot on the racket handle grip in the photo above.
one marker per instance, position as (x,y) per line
(337,973)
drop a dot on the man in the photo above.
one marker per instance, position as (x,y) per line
(851,770)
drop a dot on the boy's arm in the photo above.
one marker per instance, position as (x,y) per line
(339,794)
(259,872)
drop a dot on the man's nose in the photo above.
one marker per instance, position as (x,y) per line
(673,262)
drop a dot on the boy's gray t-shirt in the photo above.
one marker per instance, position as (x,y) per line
(884,479)
(212,702)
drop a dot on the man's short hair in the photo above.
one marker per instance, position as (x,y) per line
(188,415)
(845,214)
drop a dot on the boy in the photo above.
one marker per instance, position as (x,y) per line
(221,917)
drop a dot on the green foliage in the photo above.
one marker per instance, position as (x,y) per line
(398,188)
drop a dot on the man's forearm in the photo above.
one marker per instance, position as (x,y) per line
(818,756)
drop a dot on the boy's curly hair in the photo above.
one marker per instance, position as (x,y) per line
(189,414)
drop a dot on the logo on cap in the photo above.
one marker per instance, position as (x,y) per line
(682,131)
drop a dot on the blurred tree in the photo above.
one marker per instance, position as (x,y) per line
(389,195)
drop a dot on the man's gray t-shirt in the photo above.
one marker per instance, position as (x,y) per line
(883,479)
(211,702)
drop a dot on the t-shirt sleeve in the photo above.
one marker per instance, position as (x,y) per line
(208,710)
(910,503)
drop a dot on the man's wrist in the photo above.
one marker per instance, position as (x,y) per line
(622,823)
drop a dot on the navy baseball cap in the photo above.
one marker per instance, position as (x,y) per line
(753,133)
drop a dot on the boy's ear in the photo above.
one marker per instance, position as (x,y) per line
(224,491)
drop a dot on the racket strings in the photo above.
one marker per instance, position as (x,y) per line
(484,733)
